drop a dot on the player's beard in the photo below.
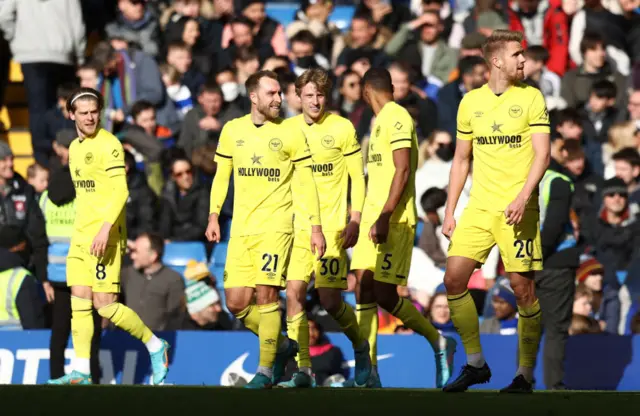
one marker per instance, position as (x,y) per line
(88,131)
(269,111)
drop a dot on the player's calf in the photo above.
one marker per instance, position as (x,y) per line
(297,324)
(529,329)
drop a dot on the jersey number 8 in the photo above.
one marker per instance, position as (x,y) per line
(100,272)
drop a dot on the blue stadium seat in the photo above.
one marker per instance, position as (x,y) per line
(419,228)
(219,254)
(218,273)
(57,267)
(349,298)
(178,254)
(285,14)
(225,229)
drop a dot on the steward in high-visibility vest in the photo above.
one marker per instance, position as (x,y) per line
(59,221)
(21,303)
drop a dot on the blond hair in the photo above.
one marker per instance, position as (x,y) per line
(317,76)
(33,170)
(170,71)
(498,39)
(622,135)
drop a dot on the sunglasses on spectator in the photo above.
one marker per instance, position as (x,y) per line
(182,173)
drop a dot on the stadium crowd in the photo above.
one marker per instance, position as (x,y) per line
(173,73)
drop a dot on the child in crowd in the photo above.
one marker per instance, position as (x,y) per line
(38,177)
(179,94)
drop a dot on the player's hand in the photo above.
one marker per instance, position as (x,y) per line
(49,293)
(515,211)
(379,230)
(448,225)
(99,244)
(318,243)
(350,234)
(213,229)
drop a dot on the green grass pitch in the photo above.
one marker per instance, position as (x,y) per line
(192,401)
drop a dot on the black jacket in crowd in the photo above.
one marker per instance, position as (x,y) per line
(184,218)
(22,226)
(555,223)
(28,301)
(142,205)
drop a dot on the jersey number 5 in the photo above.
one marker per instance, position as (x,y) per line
(526,245)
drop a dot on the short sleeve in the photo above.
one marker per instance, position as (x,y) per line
(114,159)
(299,147)
(401,129)
(538,114)
(224,152)
(350,145)
(463,128)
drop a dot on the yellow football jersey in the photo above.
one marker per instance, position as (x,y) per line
(334,145)
(501,128)
(393,129)
(262,158)
(99,177)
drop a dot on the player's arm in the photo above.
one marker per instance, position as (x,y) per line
(220,186)
(353,159)
(116,182)
(459,167)
(539,127)
(401,140)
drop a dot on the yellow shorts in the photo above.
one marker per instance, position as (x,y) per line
(478,231)
(259,259)
(390,261)
(330,271)
(101,274)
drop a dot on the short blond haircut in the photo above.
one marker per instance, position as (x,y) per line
(170,71)
(498,39)
(317,76)
(33,170)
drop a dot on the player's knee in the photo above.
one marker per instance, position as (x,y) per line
(101,300)
(524,290)
(330,299)
(386,295)
(454,284)
(296,297)
(236,305)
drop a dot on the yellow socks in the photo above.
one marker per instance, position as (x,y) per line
(250,317)
(415,321)
(126,319)
(269,334)
(465,318)
(367,316)
(348,322)
(298,330)
(529,330)
(81,332)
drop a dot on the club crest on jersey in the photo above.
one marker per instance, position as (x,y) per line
(328,142)
(515,111)
(275,145)
(88,158)
(378,131)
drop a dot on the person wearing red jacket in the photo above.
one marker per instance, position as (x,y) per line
(543,22)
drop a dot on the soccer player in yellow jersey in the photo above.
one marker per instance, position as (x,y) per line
(96,161)
(382,255)
(264,153)
(504,125)
(336,159)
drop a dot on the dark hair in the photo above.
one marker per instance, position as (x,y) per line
(466,64)
(432,199)
(84,94)
(178,44)
(568,115)
(591,40)
(140,106)
(379,79)
(574,149)
(304,36)
(129,160)
(66,89)
(286,79)
(242,20)
(537,53)
(245,54)
(604,89)
(254,80)
(629,155)
(102,54)
(156,243)
(364,14)
(210,87)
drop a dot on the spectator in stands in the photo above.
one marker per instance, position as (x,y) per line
(304,54)
(179,56)
(627,165)
(57,118)
(187,30)
(364,39)
(246,63)
(535,69)
(227,79)
(633,107)
(266,30)
(153,291)
(23,306)
(45,65)
(126,76)
(431,203)
(444,10)
(203,301)
(434,172)
(38,177)
(88,74)
(385,14)
(349,97)
(589,275)
(505,320)
(545,24)
(22,227)
(326,359)
(471,45)
(136,24)
(142,205)
(180,99)
(582,302)
(473,74)
(439,313)
(291,105)
(581,325)
(243,37)
(576,84)
(599,113)
(569,125)
(419,43)
(632,28)
(185,205)
(203,124)
(313,16)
